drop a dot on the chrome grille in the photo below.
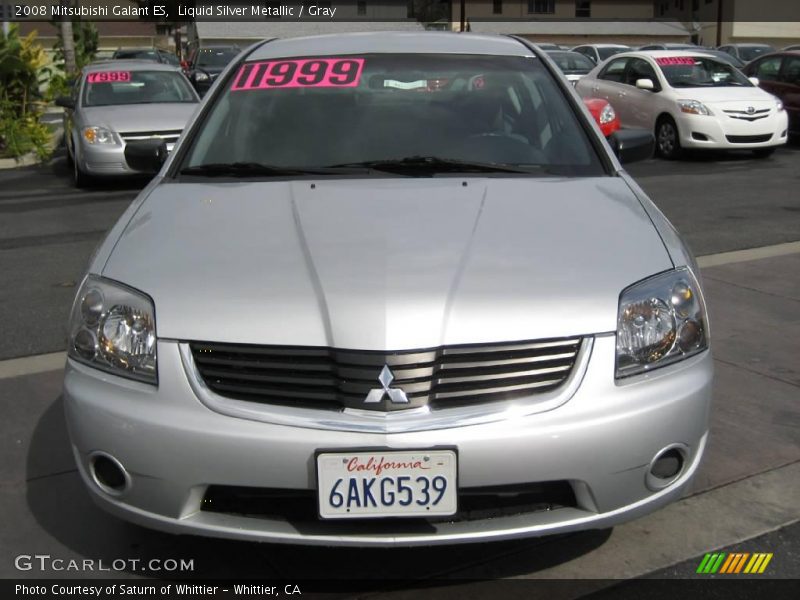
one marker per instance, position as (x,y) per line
(333,379)
(170,136)
(743,115)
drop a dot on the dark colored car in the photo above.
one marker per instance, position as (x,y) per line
(724,56)
(573,64)
(668,46)
(206,63)
(779,74)
(747,52)
(154,54)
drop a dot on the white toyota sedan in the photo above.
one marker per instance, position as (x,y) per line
(689,100)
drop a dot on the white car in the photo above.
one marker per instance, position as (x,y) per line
(689,100)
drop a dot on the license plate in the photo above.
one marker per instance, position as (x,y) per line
(387,484)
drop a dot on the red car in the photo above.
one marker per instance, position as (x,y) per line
(604,114)
(779,74)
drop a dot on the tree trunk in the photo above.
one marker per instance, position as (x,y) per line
(68,42)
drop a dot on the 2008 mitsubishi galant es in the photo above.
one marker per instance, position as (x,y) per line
(389,289)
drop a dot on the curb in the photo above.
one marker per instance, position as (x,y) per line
(26,160)
(30,159)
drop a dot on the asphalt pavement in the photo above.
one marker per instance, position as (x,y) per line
(743,499)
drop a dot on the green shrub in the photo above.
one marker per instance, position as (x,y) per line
(22,71)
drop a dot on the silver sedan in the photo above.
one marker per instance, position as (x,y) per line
(389,289)
(116,102)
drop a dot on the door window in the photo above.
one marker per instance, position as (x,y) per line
(615,70)
(641,69)
(768,69)
(791,70)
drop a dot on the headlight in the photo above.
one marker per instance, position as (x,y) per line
(607,114)
(113,327)
(99,135)
(778,105)
(693,107)
(200,76)
(660,321)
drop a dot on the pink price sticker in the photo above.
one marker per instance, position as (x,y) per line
(314,72)
(108,76)
(668,61)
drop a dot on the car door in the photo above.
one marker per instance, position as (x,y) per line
(638,105)
(610,85)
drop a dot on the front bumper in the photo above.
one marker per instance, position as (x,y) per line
(716,132)
(106,160)
(602,441)
(103,159)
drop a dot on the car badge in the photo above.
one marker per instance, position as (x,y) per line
(396,395)
(751,110)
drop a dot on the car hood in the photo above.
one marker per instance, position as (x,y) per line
(393,263)
(140,117)
(724,95)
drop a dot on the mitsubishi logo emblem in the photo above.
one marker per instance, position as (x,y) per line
(396,395)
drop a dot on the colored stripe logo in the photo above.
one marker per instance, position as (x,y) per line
(734,563)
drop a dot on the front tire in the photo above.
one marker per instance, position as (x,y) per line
(668,143)
(764,152)
(79,178)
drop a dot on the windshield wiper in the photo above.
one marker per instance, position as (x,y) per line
(249,169)
(431,165)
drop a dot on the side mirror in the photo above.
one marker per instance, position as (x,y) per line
(146,156)
(645,84)
(632,145)
(754,81)
(65,102)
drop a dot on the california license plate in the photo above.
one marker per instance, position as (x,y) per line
(387,484)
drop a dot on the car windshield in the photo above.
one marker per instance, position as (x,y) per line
(748,53)
(110,88)
(572,62)
(393,112)
(606,52)
(137,54)
(697,71)
(215,57)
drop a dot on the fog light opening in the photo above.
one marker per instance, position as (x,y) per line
(109,475)
(666,467)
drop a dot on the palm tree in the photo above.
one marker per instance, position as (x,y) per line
(68,43)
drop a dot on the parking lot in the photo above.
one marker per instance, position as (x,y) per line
(740,214)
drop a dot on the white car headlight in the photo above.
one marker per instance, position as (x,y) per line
(693,107)
(607,114)
(661,320)
(99,135)
(778,105)
(113,327)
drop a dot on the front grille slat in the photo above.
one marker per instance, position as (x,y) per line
(336,379)
(748,139)
(171,135)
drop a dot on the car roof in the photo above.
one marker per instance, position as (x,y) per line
(665,54)
(750,45)
(428,42)
(602,46)
(128,64)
